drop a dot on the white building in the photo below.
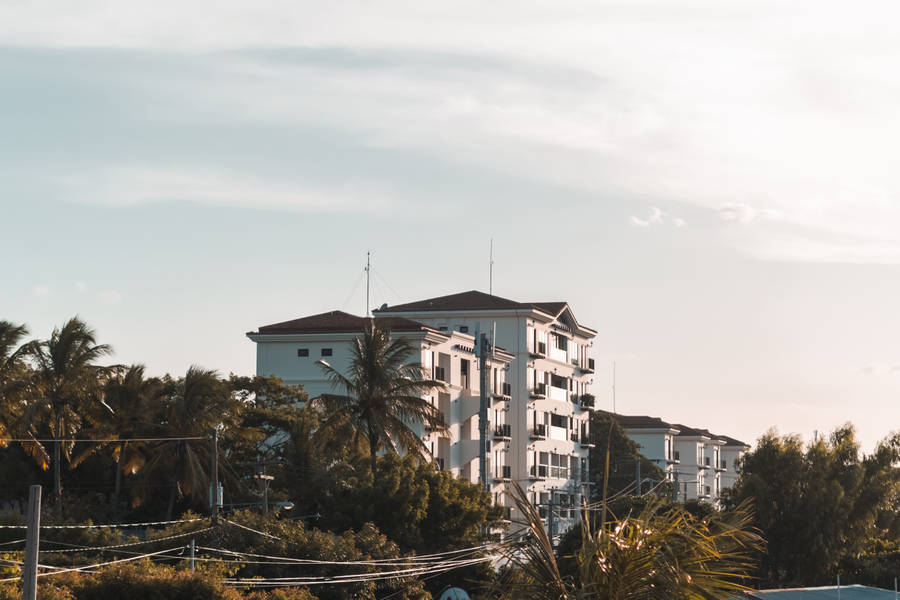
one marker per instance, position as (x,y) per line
(290,350)
(548,403)
(700,463)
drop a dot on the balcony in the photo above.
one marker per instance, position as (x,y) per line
(439,462)
(587,401)
(539,351)
(722,466)
(539,432)
(440,426)
(440,374)
(504,473)
(706,492)
(573,437)
(704,464)
(586,440)
(503,432)
(588,368)
(505,392)
(538,472)
(676,458)
(539,392)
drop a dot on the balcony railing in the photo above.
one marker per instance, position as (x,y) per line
(573,436)
(539,350)
(539,432)
(439,426)
(538,472)
(587,366)
(504,473)
(676,457)
(505,392)
(586,440)
(439,374)
(539,391)
(722,465)
(587,400)
(440,463)
(503,431)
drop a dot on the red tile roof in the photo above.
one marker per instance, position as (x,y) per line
(471,300)
(338,322)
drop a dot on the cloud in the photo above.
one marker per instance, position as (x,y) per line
(741,213)
(80,287)
(656,216)
(109,297)
(41,291)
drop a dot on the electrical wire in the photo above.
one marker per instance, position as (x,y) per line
(97,565)
(156,439)
(108,526)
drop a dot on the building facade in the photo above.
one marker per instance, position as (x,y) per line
(698,463)
(548,404)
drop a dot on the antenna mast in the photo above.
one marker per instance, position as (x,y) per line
(368,269)
(614,387)
(491,280)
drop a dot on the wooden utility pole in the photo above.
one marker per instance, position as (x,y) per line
(29,569)
(214,478)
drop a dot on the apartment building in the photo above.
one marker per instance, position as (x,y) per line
(290,350)
(699,463)
(548,404)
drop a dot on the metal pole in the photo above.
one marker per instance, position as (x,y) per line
(550,522)
(214,478)
(637,477)
(368,268)
(193,549)
(29,569)
(483,410)
(839,587)
(895,588)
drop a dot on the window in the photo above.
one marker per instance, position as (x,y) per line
(442,328)
(464,329)
(464,372)
(302,352)
(326,351)
(559,420)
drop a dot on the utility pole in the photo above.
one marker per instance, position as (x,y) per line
(637,477)
(491,280)
(481,348)
(675,487)
(550,521)
(29,569)
(193,550)
(368,270)
(214,500)
(264,480)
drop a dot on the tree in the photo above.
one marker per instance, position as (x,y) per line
(133,401)
(816,504)
(624,455)
(13,375)
(194,405)
(68,379)
(662,552)
(383,399)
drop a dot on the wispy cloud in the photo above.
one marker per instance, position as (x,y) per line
(656,216)
(110,297)
(41,291)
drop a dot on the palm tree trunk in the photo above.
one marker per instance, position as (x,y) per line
(373,453)
(57,447)
(118,487)
(171,507)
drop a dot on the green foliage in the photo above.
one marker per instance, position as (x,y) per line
(383,396)
(818,504)
(624,454)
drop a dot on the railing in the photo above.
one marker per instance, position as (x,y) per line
(439,374)
(503,431)
(538,472)
(506,473)
(587,400)
(440,463)
(573,436)
(539,391)
(707,490)
(676,456)
(706,460)
(588,366)
(724,465)
(539,432)
(506,389)
(586,440)
(540,350)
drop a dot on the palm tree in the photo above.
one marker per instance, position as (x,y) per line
(195,405)
(383,397)
(67,378)
(13,374)
(661,553)
(133,401)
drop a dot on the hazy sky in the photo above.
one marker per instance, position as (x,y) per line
(713,186)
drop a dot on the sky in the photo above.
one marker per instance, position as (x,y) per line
(711,185)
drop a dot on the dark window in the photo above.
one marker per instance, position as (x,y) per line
(442,328)
(302,352)
(559,420)
(464,329)
(326,351)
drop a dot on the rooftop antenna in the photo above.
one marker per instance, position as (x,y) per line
(368,269)
(491,280)
(614,387)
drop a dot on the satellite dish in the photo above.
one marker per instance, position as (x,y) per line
(454,593)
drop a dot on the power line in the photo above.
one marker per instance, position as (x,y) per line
(108,526)
(101,440)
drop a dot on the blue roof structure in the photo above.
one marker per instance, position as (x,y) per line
(845,592)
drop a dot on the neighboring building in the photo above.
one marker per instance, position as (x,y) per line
(291,350)
(700,463)
(548,403)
